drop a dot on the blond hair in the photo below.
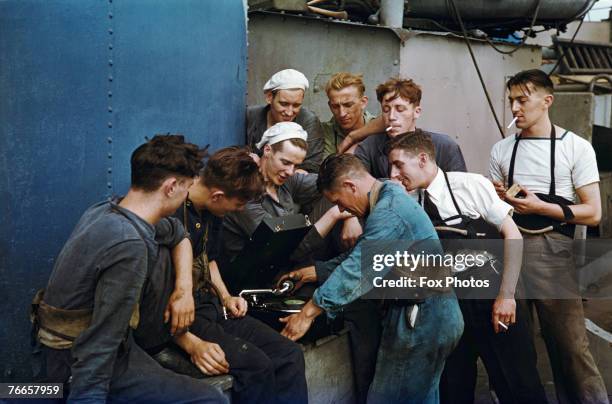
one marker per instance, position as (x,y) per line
(345,79)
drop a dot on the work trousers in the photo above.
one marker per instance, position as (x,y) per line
(577,379)
(509,357)
(410,360)
(266,366)
(363,320)
(362,317)
(137,378)
(549,271)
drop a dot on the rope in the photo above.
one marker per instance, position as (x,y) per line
(484,87)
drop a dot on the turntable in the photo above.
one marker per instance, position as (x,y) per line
(269,305)
(253,274)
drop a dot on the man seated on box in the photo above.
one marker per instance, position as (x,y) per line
(266,366)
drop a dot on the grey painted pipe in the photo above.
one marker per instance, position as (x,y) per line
(392,13)
(550,10)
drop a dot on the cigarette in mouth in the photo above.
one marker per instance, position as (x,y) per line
(499,322)
(389,128)
(512,123)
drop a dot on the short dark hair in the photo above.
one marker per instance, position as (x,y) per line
(405,88)
(296,141)
(536,77)
(336,166)
(233,171)
(414,142)
(164,156)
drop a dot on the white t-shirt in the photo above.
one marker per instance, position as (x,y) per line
(575,163)
(474,194)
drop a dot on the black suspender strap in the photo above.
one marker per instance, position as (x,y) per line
(435,215)
(567,212)
(512,159)
(553,140)
(451,194)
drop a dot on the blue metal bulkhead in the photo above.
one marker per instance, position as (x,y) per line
(82,83)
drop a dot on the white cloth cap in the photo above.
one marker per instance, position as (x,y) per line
(282,131)
(287,79)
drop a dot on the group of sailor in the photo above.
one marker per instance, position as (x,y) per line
(136,308)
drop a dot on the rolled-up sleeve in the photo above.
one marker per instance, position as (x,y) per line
(495,170)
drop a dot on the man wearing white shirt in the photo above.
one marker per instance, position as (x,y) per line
(559,183)
(496,330)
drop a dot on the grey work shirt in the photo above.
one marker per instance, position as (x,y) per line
(297,191)
(103,266)
(257,123)
(373,154)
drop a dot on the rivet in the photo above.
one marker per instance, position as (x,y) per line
(109,139)
(109,185)
(110,124)
(110,109)
(110,78)
(110,93)
(110,155)
(110,15)
(110,31)
(110,170)
(110,46)
(110,62)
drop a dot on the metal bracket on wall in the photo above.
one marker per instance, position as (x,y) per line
(584,57)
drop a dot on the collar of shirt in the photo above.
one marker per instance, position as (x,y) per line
(367,117)
(144,228)
(285,203)
(196,227)
(437,188)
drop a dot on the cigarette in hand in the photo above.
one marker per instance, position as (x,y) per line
(512,123)
(502,324)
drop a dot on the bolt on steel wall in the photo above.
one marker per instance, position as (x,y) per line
(83,83)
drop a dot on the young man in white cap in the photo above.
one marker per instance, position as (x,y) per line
(284,94)
(284,148)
